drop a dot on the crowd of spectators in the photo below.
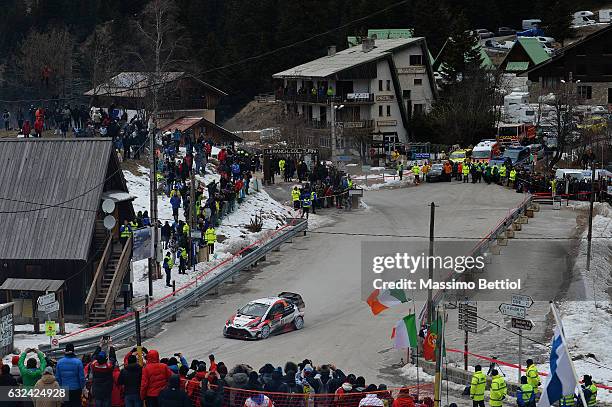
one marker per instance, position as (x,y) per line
(100,379)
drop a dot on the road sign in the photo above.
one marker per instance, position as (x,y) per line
(522,300)
(45,299)
(54,343)
(49,308)
(524,324)
(50,328)
(468,316)
(512,310)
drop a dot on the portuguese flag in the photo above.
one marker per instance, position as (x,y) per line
(380,300)
(430,345)
(405,333)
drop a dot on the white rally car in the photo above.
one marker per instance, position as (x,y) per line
(260,318)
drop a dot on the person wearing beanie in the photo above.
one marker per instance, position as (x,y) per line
(198,381)
(71,375)
(173,395)
(31,372)
(101,370)
(130,378)
(46,382)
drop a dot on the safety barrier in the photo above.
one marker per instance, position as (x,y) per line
(170,305)
(235,397)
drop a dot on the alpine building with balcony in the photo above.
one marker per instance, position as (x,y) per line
(374,90)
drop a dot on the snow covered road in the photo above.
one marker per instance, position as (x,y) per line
(325,269)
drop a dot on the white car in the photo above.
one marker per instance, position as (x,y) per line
(548,41)
(265,316)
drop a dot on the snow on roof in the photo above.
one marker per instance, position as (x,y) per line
(348,58)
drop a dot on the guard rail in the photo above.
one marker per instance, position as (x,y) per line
(155,315)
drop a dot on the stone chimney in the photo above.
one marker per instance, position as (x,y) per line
(331,50)
(367,44)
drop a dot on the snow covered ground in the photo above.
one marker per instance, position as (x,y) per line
(588,328)
(232,234)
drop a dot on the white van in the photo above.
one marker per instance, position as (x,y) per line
(531,23)
(581,21)
(605,15)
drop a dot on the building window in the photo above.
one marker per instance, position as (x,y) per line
(550,82)
(418,81)
(416,59)
(406,93)
(388,110)
(581,69)
(418,108)
(325,141)
(380,85)
(380,111)
(388,84)
(585,92)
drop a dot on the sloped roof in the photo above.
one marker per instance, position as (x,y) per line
(31,284)
(136,84)
(185,123)
(50,190)
(533,48)
(517,66)
(560,54)
(348,58)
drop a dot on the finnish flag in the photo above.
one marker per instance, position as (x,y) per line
(561,380)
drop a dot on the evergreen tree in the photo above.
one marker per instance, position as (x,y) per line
(559,21)
(460,53)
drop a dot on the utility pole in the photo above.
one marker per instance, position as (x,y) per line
(153,205)
(333,131)
(430,308)
(590,232)
(439,354)
(192,214)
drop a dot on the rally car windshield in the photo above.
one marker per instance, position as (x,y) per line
(254,309)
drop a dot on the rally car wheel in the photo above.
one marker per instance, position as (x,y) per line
(298,323)
(265,331)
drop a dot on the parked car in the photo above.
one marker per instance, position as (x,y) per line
(545,40)
(531,23)
(505,31)
(436,173)
(484,33)
(501,45)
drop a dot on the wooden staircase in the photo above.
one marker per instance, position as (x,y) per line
(107,281)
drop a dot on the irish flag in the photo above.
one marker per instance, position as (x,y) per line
(405,333)
(380,300)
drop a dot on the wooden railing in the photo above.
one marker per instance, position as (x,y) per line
(118,275)
(96,283)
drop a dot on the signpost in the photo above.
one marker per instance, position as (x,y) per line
(45,299)
(49,308)
(522,324)
(468,322)
(521,300)
(510,310)
(517,309)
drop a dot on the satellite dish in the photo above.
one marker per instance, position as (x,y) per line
(108,206)
(109,222)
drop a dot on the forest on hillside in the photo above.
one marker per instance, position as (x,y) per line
(234,44)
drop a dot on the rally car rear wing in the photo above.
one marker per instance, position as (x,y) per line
(294,298)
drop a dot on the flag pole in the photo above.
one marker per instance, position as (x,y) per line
(558,321)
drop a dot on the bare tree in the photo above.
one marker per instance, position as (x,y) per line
(160,35)
(100,60)
(562,102)
(45,60)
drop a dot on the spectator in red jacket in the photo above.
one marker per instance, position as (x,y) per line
(39,125)
(27,128)
(117,395)
(404,399)
(155,377)
(194,386)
